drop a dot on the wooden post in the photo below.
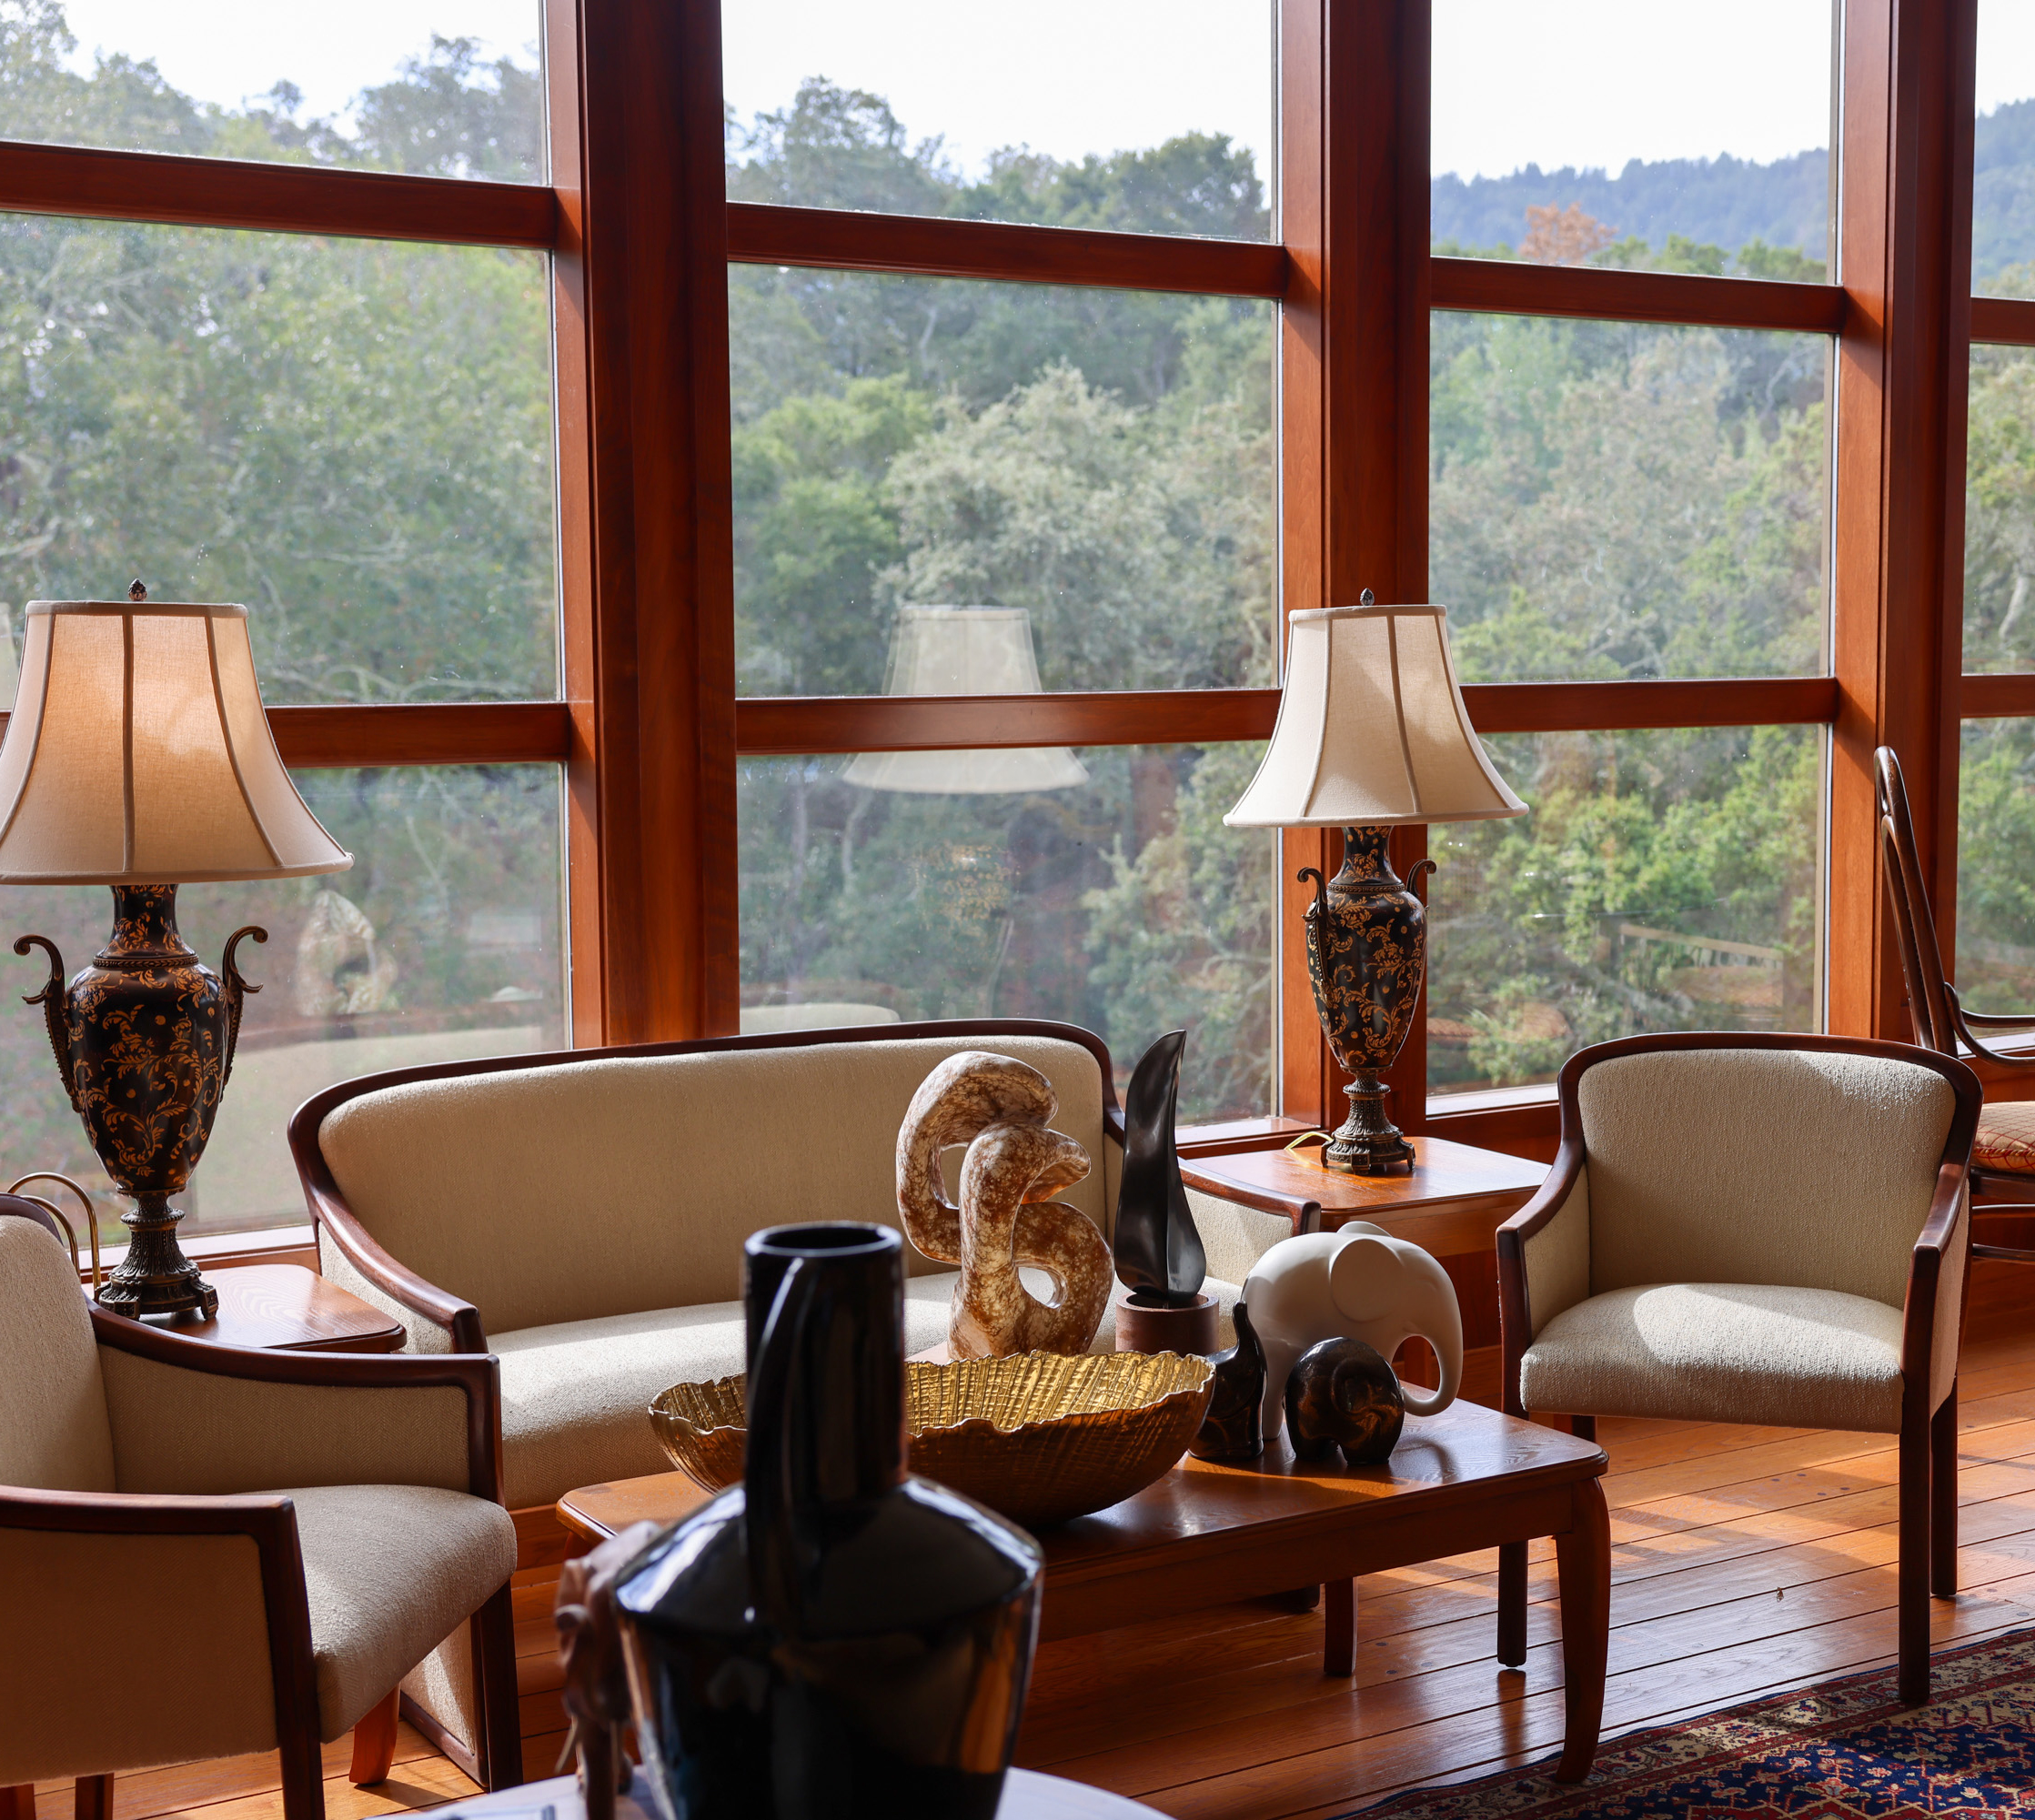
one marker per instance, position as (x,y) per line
(1904,257)
(1354,215)
(640,296)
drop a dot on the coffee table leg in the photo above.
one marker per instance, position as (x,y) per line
(1583,1559)
(1339,1649)
(1511,1604)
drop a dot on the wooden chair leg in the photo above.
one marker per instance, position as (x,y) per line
(92,1798)
(1943,1498)
(374,1743)
(17,1801)
(494,1660)
(1583,1427)
(1914,1574)
(1339,1638)
(1511,1604)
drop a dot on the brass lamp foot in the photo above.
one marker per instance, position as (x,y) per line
(155,1277)
(1369,1143)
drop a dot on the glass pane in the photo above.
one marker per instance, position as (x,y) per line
(442,943)
(352,436)
(1098,888)
(1662,881)
(1560,137)
(1610,500)
(451,89)
(2000,511)
(2003,152)
(1098,465)
(1996,886)
(1160,123)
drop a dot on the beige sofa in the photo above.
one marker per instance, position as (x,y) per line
(582,1214)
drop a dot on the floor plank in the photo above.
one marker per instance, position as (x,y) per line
(1746,1560)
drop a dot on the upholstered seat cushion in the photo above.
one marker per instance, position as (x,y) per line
(1711,1351)
(2006,1136)
(574,1394)
(390,1571)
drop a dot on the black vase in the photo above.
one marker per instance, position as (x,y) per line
(1159,1255)
(830,1640)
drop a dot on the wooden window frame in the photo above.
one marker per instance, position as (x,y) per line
(648,727)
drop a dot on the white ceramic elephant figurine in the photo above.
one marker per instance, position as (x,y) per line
(1357,1281)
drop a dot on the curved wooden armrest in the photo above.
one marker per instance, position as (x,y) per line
(1550,1198)
(395,1280)
(1934,1313)
(1304,1214)
(1962,1022)
(479,1376)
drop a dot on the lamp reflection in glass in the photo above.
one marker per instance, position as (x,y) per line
(1372,735)
(138,756)
(965,650)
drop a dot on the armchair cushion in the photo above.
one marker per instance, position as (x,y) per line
(2006,1138)
(1708,1351)
(54,1433)
(389,1572)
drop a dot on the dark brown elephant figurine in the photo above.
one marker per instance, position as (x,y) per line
(1234,1430)
(596,1690)
(1341,1393)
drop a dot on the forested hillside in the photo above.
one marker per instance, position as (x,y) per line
(1725,202)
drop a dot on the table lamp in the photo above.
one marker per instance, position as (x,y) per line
(1372,735)
(138,756)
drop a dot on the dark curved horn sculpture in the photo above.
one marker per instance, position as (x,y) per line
(1159,1256)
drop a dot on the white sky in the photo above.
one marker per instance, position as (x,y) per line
(1550,82)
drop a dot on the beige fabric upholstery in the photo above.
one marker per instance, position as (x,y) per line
(621,1185)
(389,1571)
(425,1335)
(574,1394)
(1773,1166)
(1233,1238)
(1707,1351)
(1558,1257)
(197,1432)
(444,1685)
(54,1434)
(85,1687)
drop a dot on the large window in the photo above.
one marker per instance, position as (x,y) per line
(353,435)
(828,556)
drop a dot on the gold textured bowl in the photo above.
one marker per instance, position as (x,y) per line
(1040,1437)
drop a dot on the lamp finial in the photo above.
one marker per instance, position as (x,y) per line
(136,590)
(1368,599)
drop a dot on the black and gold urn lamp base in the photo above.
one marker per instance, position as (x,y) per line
(144,1038)
(1366,953)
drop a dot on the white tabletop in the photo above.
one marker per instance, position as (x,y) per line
(1027,1795)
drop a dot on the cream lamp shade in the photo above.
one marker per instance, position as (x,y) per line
(1372,731)
(965,650)
(138,754)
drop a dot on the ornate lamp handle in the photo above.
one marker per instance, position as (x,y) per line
(51,999)
(236,989)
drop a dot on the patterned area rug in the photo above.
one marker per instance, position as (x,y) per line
(1846,1748)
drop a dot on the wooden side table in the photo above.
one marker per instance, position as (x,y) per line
(1451,1204)
(287,1308)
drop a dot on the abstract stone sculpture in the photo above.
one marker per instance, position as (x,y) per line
(1000,1108)
(1232,1430)
(1341,1394)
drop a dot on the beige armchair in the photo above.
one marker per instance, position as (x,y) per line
(1754,1229)
(210,1550)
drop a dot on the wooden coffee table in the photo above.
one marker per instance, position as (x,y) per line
(1466,1479)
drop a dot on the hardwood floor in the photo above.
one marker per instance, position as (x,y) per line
(1747,1560)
